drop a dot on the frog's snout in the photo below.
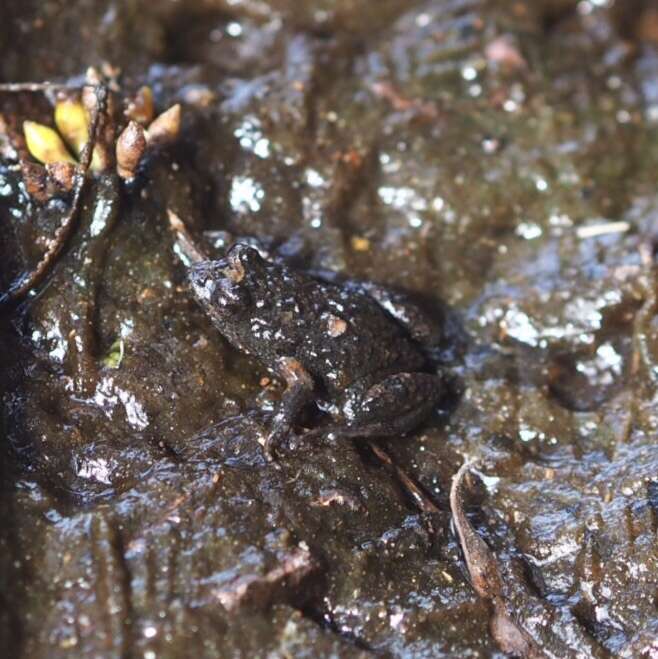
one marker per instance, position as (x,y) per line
(219,284)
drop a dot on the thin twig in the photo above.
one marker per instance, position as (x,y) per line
(16,87)
(187,245)
(421,499)
(486,577)
(641,350)
(22,286)
(480,561)
(603,229)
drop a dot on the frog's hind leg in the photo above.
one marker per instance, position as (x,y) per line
(298,393)
(399,403)
(394,406)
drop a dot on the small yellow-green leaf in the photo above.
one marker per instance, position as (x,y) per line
(114,357)
(100,159)
(72,121)
(45,144)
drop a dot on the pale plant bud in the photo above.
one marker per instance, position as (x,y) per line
(130,149)
(92,76)
(140,108)
(165,127)
(45,144)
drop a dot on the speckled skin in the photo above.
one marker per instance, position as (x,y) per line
(332,344)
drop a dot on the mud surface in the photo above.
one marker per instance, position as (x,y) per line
(496,157)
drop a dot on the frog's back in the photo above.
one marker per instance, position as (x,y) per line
(341,336)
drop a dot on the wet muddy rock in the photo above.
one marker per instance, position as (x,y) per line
(495,161)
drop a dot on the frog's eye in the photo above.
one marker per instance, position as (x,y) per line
(218,284)
(245,255)
(234,271)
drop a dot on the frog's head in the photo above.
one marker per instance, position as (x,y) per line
(222,287)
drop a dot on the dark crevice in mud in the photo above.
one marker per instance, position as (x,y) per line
(125,580)
(652,496)
(186,28)
(600,632)
(628,15)
(326,621)
(13,571)
(353,180)
(533,576)
(553,14)
(113,584)
(164,449)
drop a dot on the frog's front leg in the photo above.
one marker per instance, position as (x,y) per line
(299,392)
